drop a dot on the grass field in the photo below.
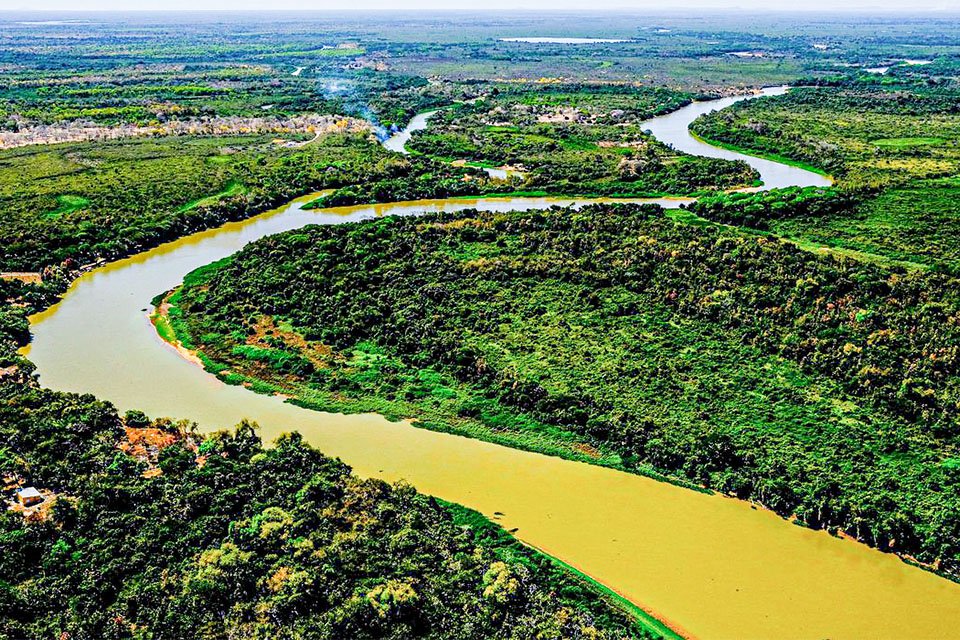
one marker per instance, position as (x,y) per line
(903,143)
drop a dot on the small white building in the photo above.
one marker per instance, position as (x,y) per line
(29,496)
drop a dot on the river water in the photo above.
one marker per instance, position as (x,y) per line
(398,141)
(710,566)
(675,132)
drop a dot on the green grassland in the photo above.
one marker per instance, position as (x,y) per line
(129,194)
(233,188)
(905,143)
(899,145)
(68,204)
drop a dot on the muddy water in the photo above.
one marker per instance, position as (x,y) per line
(712,567)
(673,130)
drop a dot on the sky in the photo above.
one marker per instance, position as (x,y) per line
(562,5)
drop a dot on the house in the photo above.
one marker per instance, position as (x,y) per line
(29,496)
(9,482)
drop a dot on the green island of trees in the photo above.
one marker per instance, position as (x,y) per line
(823,387)
(576,139)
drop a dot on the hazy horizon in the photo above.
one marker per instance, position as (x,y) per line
(771,6)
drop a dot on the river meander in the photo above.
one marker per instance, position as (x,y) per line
(710,566)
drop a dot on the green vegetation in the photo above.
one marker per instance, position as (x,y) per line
(760,209)
(318,553)
(343,52)
(68,204)
(431,180)
(131,194)
(895,145)
(233,188)
(918,223)
(901,143)
(822,387)
(596,147)
(674,345)
(191,543)
(862,136)
(315,553)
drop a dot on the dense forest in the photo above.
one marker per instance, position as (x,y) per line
(576,139)
(315,553)
(163,149)
(191,543)
(150,529)
(795,347)
(822,387)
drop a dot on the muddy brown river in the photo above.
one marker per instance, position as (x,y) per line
(710,566)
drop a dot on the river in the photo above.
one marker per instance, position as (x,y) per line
(675,132)
(398,141)
(712,567)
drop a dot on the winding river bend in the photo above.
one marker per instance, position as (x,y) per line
(398,141)
(710,566)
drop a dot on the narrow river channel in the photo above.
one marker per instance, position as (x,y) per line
(398,141)
(710,566)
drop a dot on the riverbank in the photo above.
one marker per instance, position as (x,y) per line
(166,320)
(650,624)
(364,377)
(282,391)
(628,531)
(166,329)
(761,154)
(561,444)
